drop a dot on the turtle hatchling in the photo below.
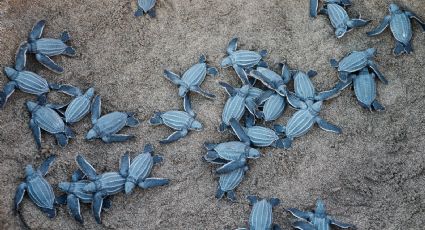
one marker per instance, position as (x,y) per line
(314,5)
(228,183)
(107,126)
(182,121)
(145,7)
(356,61)
(258,136)
(401,28)
(262,214)
(101,186)
(235,106)
(39,190)
(241,60)
(340,19)
(317,220)
(192,78)
(138,171)
(79,106)
(43,116)
(232,154)
(75,194)
(365,89)
(273,80)
(44,48)
(27,81)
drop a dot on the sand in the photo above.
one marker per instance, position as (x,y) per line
(372,175)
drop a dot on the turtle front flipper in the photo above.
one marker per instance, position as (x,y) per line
(96,109)
(8,90)
(354,23)
(302,225)
(19,195)
(313,7)
(86,167)
(117,138)
(228,88)
(417,19)
(48,63)
(378,73)
(231,166)
(174,78)
(73,204)
(44,167)
(177,135)
(97,206)
(67,89)
(124,165)
(382,26)
(204,93)
(300,214)
(239,131)
(241,74)
(188,106)
(21,57)
(36,132)
(233,44)
(328,126)
(37,30)
(340,224)
(153,182)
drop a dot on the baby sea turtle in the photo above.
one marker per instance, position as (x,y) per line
(317,220)
(255,135)
(39,190)
(232,154)
(235,105)
(302,121)
(273,106)
(340,19)
(145,7)
(192,78)
(228,183)
(27,81)
(241,60)
(273,80)
(356,61)
(75,194)
(101,186)
(138,171)
(44,48)
(262,214)
(43,116)
(314,5)
(365,89)
(79,106)
(401,28)
(107,126)
(182,121)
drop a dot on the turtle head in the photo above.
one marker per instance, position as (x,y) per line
(29,170)
(91,134)
(339,32)
(183,90)
(317,106)
(320,208)
(227,61)
(244,90)
(64,186)
(89,93)
(282,90)
(90,187)
(129,186)
(371,52)
(253,153)
(393,8)
(31,105)
(11,73)
(196,125)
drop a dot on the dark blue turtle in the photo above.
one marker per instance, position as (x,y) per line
(79,106)
(273,80)
(317,220)
(232,154)
(75,194)
(356,61)
(314,5)
(365,89)
(242,60)
(192,78)
(246,96)
(27,81)
(145,7)
(401,28)
(255,135)
(261,217)
(102,185)
(228,183)
(340,19)
(44,48)
(44,116)
(39,190)
(182,121)
(140,168)
(107,126)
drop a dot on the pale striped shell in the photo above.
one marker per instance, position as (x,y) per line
(110,183)
(77,109)
(401,27)
(229,181)
(40,191)
(261,136)
(303,86)
(178,120)
(245,58)
(48,120)
(365,88)
(110,123)
(300,123)
(32,83)
(274,107)
(48,46)
(353,62)
(337,15)
(195,75)
(141,166)
(261,215)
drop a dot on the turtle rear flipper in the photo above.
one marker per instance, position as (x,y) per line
(152,13)
(69,51)
(377,106)
(51,212)
(401,48)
